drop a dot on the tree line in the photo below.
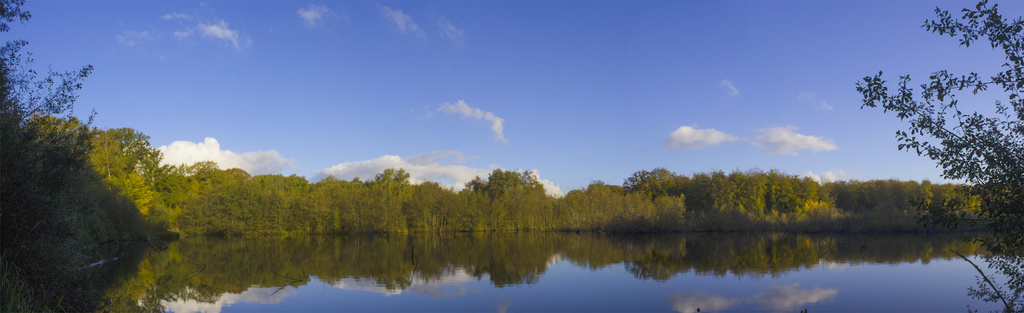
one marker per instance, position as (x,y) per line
(202,199)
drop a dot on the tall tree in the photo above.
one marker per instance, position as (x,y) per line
(391,188)
(985,150)
(125,159)
(120,151)
(653,183)
(50,214)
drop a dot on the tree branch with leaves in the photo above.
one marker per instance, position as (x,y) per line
(984,150)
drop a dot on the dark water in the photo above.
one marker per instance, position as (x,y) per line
(550,272)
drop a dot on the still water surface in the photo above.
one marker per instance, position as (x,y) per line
(549,272)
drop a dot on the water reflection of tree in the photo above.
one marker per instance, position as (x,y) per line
(1011,294)
(403,262)
(757,256)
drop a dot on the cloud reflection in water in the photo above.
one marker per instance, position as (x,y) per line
(251,295)
(686,302)
(445,287)
(790,297)
(777,298)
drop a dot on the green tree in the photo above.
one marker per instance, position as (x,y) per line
(391,188)
(120,151)
(751,190)
(52,214)
(653,183)
(127,161)
(985,150)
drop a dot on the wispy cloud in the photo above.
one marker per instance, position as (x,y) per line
(811,98)
(466,111)
(222,31)
(176,16)
(183,34)
(256,163)
(403,22)
(692,138)
(426,116)
(438,166)
(132,38)
(313,13)
(185,26)
(785,140)
(730,89)
(448,30)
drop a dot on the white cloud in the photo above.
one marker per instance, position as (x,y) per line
(420,168)
(825,106)
(176,16)
(426,116)
(550,187)
(313,13)
(693,138)
(788,298)
(256,163)
(403,22)
(131,38)
(689,302)
(827,177)
(466,111)
(183,34)
(448,30)
(221,31)
(439,166)
(784,140)
(730,89)
(811,98)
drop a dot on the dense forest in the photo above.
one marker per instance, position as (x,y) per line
(202,199)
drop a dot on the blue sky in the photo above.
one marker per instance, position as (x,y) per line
(578,91)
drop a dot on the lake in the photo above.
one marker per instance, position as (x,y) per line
(549,272)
